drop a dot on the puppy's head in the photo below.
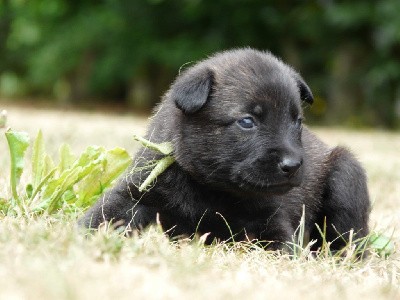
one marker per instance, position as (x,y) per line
(240,122)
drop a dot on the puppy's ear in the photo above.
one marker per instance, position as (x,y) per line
(191,90)
(305,92)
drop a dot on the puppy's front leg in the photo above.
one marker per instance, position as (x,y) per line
(345,203)
(274,233)
(118,205)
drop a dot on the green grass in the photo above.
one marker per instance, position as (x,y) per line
(48,258)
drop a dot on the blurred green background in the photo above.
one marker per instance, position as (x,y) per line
(126,52)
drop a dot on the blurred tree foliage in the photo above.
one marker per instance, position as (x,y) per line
(130,50)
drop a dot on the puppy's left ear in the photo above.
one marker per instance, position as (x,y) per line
(305,92)
(191,90)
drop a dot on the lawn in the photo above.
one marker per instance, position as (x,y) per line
(48,258)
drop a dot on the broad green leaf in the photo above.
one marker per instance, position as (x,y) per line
(51,196)
(89,189)
(53,192)
(89,155)
(118,160)
(165,148)
(18,142)
(38,157)
(43,183)
(161,166)
(66,157)
(48,164)
(68,197)
(382,244)
(49,170)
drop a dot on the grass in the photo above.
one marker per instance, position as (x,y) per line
(48,258)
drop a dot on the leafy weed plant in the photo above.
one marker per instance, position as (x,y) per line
(72,184)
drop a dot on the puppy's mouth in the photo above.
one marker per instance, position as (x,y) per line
(276,188)
(280,188)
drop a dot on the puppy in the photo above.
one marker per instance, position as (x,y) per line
(245,164)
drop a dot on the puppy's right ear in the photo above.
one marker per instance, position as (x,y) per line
(191,90)
(305,92)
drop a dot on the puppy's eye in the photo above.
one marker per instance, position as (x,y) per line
(246,123)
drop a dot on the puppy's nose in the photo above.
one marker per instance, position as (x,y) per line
(289,165)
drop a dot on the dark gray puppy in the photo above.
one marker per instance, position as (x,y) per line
(245,165)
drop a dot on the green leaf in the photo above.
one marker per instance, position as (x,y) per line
(18,142)
(48,164)
(66,158)
(89,155)
(382,244)
(117,160)
(68,197)
(165,148)
(89,189)
(38,157)
(43,183)
(51,197)
(56,187)
(161,166)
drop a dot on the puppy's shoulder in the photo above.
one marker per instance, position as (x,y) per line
(322,161)
(314,147)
